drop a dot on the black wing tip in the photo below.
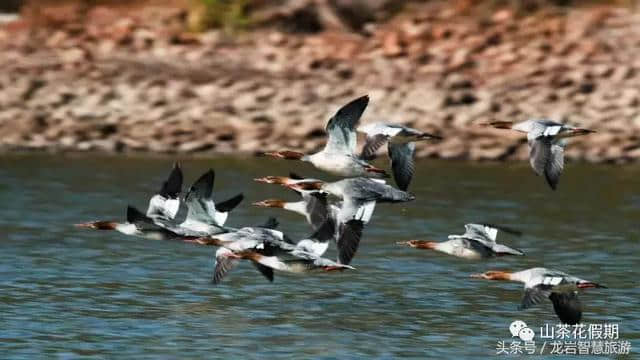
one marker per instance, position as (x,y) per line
(355,224)
(172,187)
(134,215)
(356,106)
(230,204)
(567,307)
(349,240)
(203,187)
(553,183)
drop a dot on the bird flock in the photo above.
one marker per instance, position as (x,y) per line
(338,211)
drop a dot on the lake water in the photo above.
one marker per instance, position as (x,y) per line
(69,293)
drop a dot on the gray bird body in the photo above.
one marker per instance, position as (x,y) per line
(269,248)
(546,144)
(338,156)
(561,288)
(400,141)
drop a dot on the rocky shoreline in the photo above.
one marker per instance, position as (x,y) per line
(116,81)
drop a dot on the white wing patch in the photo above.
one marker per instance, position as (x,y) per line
(552,130)
(551,280)
(379,129)
(491,232)
(365,211)
(171,207)
(220,217)
(314,247)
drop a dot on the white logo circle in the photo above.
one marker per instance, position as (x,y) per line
(516,326)
(526,334)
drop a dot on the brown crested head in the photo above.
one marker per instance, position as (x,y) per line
(285,154)
(273,180)
(98,225)
(493,275)
(270,203)
(307,185)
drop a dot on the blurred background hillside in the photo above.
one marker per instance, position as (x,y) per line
(219,76)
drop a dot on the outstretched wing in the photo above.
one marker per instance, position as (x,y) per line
(547,159)
(266,271)
(199,199)
(349,240)
(402,163)
(341,127)
(567,306)
(317,207)
(230,204)
(225,261)
(535,295)
(371,145)
(173,185)
(480,232)
(166,203)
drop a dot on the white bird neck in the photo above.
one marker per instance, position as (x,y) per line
(297,207)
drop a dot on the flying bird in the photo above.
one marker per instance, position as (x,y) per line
(546,140)
(401,147)
(478,242)
(339,154)
(540,284)
(268,248)
(166,202)
(203,215)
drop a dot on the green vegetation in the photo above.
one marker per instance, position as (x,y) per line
(230,15)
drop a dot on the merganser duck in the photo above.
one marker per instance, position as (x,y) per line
(268,248)
(401,148)
(204,216)
(338,156)
(546,144)
(163,205)
(540,283)
(478,242)
(138,224)
(313,204)
(355,194)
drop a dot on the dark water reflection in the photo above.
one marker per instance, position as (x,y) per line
(66,293)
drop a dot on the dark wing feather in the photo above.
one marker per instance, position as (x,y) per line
(223,266)
(402,163)
(266,271)
(142,221)
(535,295)
(341,127)
(173,185)
(372,144)
(325,232)
(317,208)
(230,204)
(567,306)
(547,159)
(555,165)
(203,187)
(350,234)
